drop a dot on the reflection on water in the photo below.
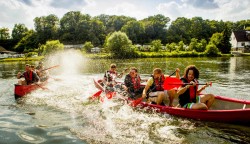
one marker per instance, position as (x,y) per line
(59,115)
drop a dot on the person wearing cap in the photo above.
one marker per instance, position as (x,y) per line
(43,74)
(29,76)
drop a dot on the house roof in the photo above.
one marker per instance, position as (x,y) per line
(241,35)
(2,49)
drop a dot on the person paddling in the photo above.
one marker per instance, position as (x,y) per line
(189,95)
(43,74)
(29,76)
(109,77)
(132,83)
(154,90)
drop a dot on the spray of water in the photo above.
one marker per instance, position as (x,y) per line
(107,122)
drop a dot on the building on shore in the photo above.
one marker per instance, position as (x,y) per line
(240,41)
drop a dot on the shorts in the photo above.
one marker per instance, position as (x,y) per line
(153,96)
(189,105)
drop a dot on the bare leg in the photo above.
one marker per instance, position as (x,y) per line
(159,98)
(207,99)
(171,94)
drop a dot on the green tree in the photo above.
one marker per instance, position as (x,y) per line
(181,46)
(19,31)
(156,27)
(179,30)
(74,27)
(51,47)
(225,46)
(96,32)
(47,27)
(28,42)
(4,33)
(193,44)
(156,44)
(87,46)
(119,45)
(203,43)
(211,50)
(135,31)
(199,28)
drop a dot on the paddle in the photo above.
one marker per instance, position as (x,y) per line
(125,70)
(139,100)
(50,68)
(44,88)
(171,83)
(96,95)
(108,94)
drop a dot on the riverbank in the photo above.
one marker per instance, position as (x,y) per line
(139,55)
(154,55)
(22,59)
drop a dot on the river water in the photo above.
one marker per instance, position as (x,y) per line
(63,115)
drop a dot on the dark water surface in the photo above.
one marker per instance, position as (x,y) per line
(62,114)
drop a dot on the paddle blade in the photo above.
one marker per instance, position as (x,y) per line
(136,102)
(96,95)
(171,83)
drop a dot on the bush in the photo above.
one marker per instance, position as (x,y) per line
(51,47)
(119,45)
(87,47)
(30,54)
(212,50)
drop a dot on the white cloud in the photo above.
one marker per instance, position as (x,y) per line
(227,10)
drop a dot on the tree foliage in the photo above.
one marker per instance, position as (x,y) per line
(77,28)
(4,33)
(87,46)
(46,27)
(19,31)
(119,45)
(156,44)
(27,43)
(51,47)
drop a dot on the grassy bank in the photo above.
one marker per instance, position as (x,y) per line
(152,54)
(22,59)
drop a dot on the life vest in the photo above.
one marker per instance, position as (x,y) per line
(158,84)
(134,84)
(28,77)
(189,95)
(110,75)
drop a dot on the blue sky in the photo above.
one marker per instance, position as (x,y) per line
(24,11)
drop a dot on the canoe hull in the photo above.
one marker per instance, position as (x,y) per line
(22,90)
(224,109)
(240,116)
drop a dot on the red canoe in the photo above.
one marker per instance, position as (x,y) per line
(21,90)
(224,109)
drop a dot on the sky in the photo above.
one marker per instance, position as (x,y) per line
(24,11)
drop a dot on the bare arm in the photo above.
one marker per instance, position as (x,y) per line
(144,93)
(202,88)
(177,74)
(181,90)
(19,75)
